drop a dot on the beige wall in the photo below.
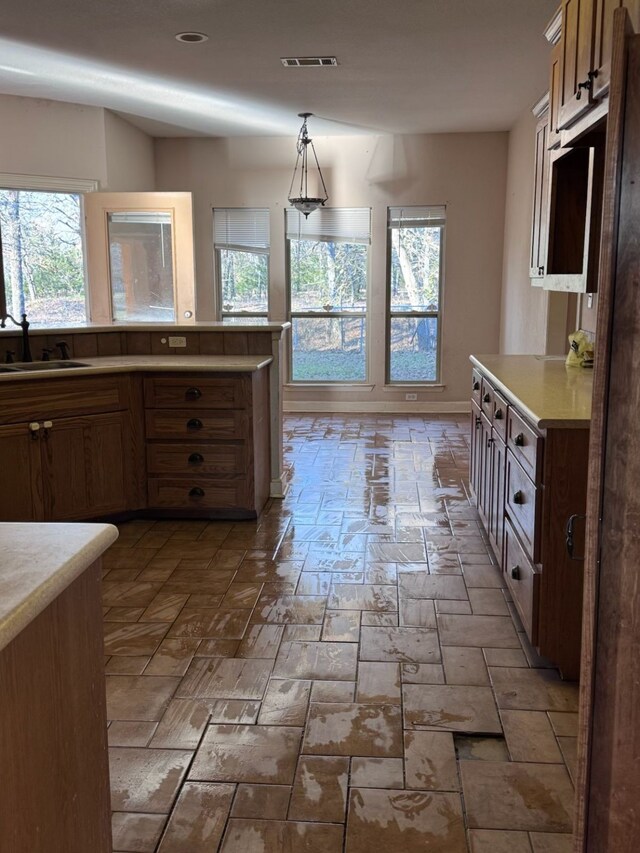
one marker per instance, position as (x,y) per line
(61,140)
(532,320)
(467,172)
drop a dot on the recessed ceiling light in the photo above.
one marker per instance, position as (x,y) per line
(191,38)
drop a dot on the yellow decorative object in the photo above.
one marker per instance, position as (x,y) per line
(580,349)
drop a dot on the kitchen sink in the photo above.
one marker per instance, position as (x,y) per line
(44,365)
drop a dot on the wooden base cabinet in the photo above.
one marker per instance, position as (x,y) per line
(527,484)
(58,468)
(53,738)
(207,444)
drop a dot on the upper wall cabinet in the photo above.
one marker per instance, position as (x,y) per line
(586,55)
(537,261)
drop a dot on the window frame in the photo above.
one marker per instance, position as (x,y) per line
(217,268)
(49,184)
(390,314)
(327,315)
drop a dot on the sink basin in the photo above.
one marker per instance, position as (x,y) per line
(46,365)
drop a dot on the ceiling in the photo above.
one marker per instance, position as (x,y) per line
(405,66)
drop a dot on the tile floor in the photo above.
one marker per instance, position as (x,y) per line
(344,674)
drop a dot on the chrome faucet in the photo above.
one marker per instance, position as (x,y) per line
(24,325)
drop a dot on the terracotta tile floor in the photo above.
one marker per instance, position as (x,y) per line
(344,674)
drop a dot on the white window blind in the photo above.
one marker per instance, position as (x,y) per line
(417,217)
(241,229)
(330,225)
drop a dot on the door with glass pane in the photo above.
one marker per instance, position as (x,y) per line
(140,257)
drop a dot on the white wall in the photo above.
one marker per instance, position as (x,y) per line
(61,140)
(467,172)
(533,320)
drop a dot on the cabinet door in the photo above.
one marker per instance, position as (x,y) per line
(475,452)
(540,205)
(577,58)
(553,136)
(83,461)
(21,492)
(484,471)
(496,512)
(603,41)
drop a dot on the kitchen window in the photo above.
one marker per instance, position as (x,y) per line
(43,251)
(414,298)
(328,275)
(241,240)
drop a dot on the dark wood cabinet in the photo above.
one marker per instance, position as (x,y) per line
(576,66)
(538,256)
(21,492)
(527,483)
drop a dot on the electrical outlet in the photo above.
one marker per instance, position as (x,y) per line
(177,341)
(410,396)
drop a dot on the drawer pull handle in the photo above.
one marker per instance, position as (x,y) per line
(569,537)
(193,394)
(486,398)
(518,497)
(196,459)
(498,414)
(196,492)
(515,573)
(194,423)
(476,385)
(519,440)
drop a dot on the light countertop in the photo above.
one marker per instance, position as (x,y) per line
(231,324)
(149,364)
(39,561)
(543,388)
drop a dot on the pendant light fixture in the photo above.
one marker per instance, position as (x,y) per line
(303,202)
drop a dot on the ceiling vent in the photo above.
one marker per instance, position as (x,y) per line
(307,61)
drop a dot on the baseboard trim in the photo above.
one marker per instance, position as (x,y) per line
(380,407)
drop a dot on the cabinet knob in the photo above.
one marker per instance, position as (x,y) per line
(476,386)
(196,459)
(519,440)
(34,429)
(196,492)
(498,414)
(194,423)
(477,421)
(540,270)
(518,497)
(193,394)
(486,398)
(490,441)
(515,573)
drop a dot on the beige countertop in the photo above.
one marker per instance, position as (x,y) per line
(39,561)
(232,324)
(543,388)
(149,363)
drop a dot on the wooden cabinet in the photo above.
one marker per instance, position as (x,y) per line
(58,468)
(538,256)
(527,483)
(585,58)
(207,444)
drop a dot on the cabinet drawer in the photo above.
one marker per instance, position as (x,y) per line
(476,386)
(487,399)
(186,424)
(525,444)
(522,504)
(44,399)
(196,459)
(197,492)
(500,407)
(523,582)
(196,391)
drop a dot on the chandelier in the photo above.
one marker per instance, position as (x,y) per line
(303,202)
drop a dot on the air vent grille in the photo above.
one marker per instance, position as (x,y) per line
(308,61)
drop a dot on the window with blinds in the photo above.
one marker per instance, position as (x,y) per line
(328,265)
(414,293)
(241,244)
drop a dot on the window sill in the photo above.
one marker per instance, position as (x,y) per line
(365,385)
(421,387)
